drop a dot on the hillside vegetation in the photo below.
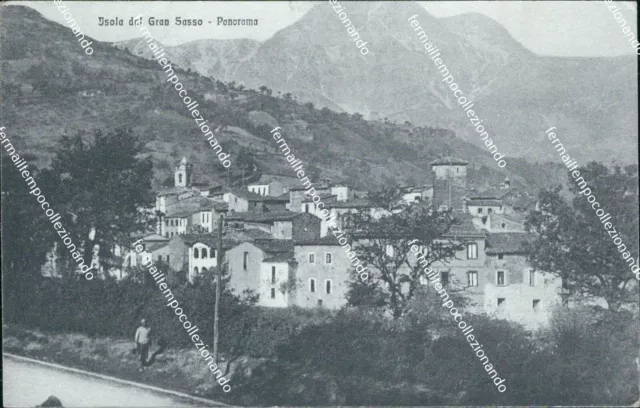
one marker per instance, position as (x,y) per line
(49,77)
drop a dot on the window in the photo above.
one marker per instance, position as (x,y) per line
(273,293)
(312,258)
(306,208)
(273,274)
(167,258)
(490,210)
(159,257)
(179,178)
(536,305)
(479,210)
(500,256)
(213,252)
(195,270)
(472,251)
(472,278)
(204,253)
(245,259)
(327,258)
(503,225)
(500,278)
(502,303)
(532,278)
(312,285)
(196,253)
(444,278)
(320,302)
(166,222)
(327,286)
(166,234)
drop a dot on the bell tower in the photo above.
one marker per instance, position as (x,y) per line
(449,183)
(183,174)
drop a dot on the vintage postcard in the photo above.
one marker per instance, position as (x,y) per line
(326,203)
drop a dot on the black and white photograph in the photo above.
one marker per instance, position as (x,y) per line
(319,203)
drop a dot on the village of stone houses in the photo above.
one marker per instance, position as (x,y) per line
(394,262)
(274,235)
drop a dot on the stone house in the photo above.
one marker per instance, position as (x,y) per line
(281,225)
(322,273)
(262,266)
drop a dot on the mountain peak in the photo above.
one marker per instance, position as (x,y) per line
(484,33)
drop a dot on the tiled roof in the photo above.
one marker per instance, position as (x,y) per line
(302,187)
(279,257)
(282,198)
(190,204)
(248,234)
(246,194)
(149,235)
(208,187)
(182,214)
(274,245)
(491,193)
(208,239)
(173,191)
(155,237)
(328,240)
(355,203)
(416,189)
(212,204)
(464,227)
(484,202)
(324,197)
(218,206)
(155,246)
(508,243)
(448,161)
(266,217)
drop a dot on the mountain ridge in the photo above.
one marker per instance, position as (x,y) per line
(76,94)
(516,91)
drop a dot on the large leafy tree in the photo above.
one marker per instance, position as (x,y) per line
(103,188)
(382,243)
(573,242)
(26,237)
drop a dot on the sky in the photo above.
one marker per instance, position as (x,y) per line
(561,28)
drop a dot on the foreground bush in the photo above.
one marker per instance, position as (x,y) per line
(360,359)
(360,356)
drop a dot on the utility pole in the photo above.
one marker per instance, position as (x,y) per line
(218,276)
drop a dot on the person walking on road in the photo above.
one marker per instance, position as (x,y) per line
(142,343)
